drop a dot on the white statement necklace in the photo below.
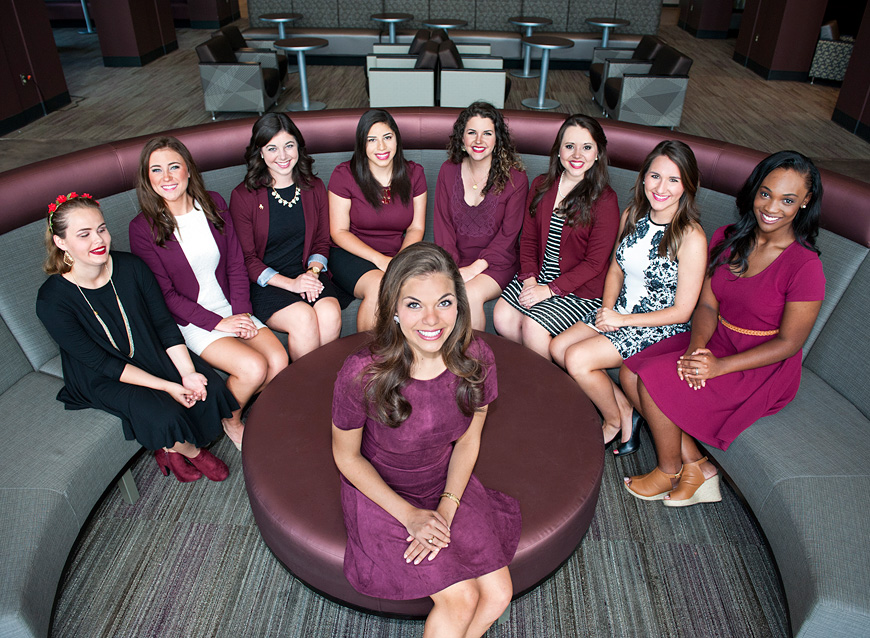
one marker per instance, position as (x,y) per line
(103,323)
(283,201)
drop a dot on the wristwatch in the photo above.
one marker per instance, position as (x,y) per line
(315,268)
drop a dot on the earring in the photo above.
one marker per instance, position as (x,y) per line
(596,158)
(396,318)
(803,205)
(68,259)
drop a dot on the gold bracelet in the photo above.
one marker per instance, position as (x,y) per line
(452,497)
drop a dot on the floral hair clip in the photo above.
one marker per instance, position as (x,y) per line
(60,200)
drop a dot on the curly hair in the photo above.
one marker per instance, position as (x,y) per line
(577,205)
(161,221)
(504,154)
(266,128)
(687,214)
(739,240)
(390,369)
(56,224)
(400,184)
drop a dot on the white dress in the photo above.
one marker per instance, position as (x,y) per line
(194,236)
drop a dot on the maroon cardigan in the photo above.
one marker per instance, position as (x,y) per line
(250,212)
(584,252)
(175,276)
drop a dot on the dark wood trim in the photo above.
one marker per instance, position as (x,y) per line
(142,60)
(34,113)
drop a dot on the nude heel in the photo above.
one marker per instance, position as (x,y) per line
(653,486)
(693,488)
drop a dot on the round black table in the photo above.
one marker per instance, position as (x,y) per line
(391,20)
(281,19)
(607,24)
(546,43)
(300,46)
(529,23)
(541,444)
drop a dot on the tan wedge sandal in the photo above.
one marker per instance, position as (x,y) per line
(693,488)
(653,486)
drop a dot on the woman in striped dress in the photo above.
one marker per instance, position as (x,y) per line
(569,229)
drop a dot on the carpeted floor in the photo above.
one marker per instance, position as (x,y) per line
(188,560)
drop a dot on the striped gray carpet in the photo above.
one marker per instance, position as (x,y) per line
(188,560)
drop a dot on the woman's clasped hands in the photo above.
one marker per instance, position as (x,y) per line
(307,285)
(533,293)
(608,320)
(428,534)
(696,366)
(240,325)
(190,390)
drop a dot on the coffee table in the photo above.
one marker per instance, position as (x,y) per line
(541,444)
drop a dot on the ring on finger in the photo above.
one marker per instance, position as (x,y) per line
(432,541)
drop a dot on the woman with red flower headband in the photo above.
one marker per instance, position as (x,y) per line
(120,349)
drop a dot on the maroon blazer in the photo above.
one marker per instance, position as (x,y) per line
(584,252)
(175,276)
(250,212)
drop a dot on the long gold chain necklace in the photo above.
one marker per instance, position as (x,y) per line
(283,201)
(103,323)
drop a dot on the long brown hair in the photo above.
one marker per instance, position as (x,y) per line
(504,153)
(400,185)
(264,130)
(577,205)
(159,218)
(56,224)
(687,214)
(393,357)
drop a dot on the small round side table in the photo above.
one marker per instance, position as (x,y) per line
(281,19)
(446,23)
(300,46)
(546,43)
(391,20)
(607,24)
(529,22)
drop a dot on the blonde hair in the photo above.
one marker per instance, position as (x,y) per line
(56,224)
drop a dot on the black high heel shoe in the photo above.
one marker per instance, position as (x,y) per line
(633,444)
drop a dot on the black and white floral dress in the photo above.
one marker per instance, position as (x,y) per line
(649,284)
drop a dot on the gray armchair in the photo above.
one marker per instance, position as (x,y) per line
(230,85)
(832,55)
(599,70)
(652,93)
(266,56)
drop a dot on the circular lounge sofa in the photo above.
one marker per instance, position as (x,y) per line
(809,495)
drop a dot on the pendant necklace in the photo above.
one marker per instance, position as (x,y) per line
(103,323)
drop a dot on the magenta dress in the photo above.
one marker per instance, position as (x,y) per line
(489,231)
(413,460)
(729,404)
(380,228)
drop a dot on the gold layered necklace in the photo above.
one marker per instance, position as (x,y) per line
(103,323)
(283,201)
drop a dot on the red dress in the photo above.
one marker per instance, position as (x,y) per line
(413,460)
(729,404)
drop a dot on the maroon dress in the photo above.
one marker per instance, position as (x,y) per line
(380,228)
(487,231)
(729,404)
(413,460)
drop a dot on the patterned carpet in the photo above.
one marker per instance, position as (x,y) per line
(188,560)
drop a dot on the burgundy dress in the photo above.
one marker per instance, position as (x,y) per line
(380,228)
(729,404)
(487,231)
(413,460)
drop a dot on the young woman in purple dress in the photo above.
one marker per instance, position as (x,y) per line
(377,207)
(742,359)
(408,412)
(479,201)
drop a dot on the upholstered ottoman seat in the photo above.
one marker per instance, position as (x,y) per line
(541,444)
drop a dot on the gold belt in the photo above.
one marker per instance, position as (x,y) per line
(744,331)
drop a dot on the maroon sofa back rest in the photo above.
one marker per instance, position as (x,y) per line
(111,168)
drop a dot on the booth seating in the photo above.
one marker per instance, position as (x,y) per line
(229,84)
(599,70)
(803,472)
(650,93)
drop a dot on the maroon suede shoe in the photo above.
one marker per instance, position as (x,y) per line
(210,465)
(183,470)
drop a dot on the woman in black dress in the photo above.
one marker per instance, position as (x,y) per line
(120,348)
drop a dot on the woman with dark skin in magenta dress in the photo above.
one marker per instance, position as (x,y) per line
(408,412)
(742,359)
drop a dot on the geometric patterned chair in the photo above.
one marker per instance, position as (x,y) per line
(653,93)
(832,54)
(268,57)
(645,51)
(230,85)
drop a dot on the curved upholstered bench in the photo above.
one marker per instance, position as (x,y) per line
(810,497)
(548,456)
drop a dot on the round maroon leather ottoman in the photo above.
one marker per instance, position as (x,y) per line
(541,444)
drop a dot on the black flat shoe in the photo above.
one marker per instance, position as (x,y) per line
(633,444)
